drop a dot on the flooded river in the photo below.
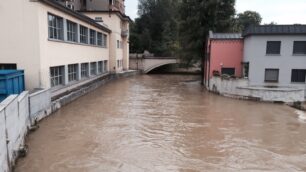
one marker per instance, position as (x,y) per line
(164,123)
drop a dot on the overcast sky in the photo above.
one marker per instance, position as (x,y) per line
(279,11)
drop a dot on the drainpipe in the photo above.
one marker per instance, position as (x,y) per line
(209,55)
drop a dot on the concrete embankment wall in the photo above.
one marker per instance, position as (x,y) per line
(20,113)
(240,88)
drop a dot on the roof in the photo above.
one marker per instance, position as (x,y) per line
(77,15)
(223,36)
(275,30)
(120,14)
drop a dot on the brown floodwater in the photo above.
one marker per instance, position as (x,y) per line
(166,123)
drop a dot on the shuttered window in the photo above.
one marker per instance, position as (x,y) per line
(271,75)
(298,75)
(273,47)
(299,47)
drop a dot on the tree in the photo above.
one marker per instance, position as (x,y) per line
(156,29)
(248,18)
(197,17)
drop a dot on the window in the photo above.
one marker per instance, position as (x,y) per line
(298,75)
(8,66)
(72,72)
(118,44)
(273,47)
(99,39)
(55,27)
(98,19)
(104,40)
(105,66)
(299,47)
(93,68)
(100,67)
(71,31)
(84,70)
(92,37)
(83,34)
(271,75)
(228,71)
(57,75)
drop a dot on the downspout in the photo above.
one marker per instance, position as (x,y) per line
(209,55)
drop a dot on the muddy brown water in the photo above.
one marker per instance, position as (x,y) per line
(162,123)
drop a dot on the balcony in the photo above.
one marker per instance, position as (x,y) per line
(125,33)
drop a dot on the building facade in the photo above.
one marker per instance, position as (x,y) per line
(225,52)
(56,46)
(275,56)
(268,56)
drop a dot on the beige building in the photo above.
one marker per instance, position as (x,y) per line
(59,47)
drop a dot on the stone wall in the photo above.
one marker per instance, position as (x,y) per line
(239,88)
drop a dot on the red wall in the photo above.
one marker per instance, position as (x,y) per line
(228,53)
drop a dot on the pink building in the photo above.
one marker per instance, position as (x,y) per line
(224,55)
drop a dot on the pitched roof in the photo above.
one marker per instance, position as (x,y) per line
(224,35)
(77,15)
(275,30)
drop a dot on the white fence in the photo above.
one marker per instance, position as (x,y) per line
(17,112)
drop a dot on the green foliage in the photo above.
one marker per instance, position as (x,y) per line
(197,17)
(156,29)
(246,19)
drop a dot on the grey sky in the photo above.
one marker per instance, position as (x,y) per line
(279,11)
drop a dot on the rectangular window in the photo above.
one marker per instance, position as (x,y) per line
(71,31)
(99,39)
(92,37)
(299,47)
(84,70)
(273,47)
(271,75)
(57,75)
(228,71)
(105,66)
(93,68)
(72,72)
(8,66)
(100,67)
(104,42)
(298,75)
(55,25)
(83,34)
(118,44)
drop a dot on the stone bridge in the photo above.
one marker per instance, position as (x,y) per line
(148,63)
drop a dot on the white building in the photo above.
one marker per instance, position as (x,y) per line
(275,55)
(59,47)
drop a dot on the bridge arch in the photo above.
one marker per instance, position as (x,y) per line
(149,69)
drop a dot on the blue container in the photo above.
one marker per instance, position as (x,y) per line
(11,82)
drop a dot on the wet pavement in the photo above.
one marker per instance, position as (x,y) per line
(166,123)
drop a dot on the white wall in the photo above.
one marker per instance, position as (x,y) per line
(3,148)
(255,54)
(239,88)
(113,21)
(19,40)
(57,53)
(16,119)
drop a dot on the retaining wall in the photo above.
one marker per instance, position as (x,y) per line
(239,88)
